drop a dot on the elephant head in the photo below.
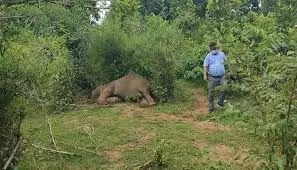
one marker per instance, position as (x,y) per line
(96,93)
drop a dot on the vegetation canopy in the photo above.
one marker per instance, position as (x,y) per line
(52,57)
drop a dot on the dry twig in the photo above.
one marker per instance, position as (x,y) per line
(83,149)
(55,151)
(46,115)
(51,132)
(12,155)
(52,136)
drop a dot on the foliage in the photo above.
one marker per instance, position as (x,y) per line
(126,12)
(49,53)
(261,63)
(161,8)
(106,59)
(49,19)
(43,72)
(149,53)
(11,116)
(35,67)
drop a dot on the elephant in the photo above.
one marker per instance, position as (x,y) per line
(130,85)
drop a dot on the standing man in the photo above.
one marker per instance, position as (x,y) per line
(214,73)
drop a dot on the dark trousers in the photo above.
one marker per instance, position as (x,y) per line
(212,83)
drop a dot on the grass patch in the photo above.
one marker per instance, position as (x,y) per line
(128,142)
(173,108)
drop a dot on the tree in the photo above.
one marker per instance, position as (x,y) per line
(200,7)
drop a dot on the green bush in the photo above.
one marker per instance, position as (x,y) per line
(36,66)
(155,50)
(43,72)
(149,52)
(261,63)
(62,53)
(106,59)
(48,19)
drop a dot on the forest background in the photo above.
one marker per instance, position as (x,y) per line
(50,56)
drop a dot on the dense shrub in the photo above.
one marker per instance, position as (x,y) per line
(50,19)
(61,54)
(43,72)
(261,63)
(149,52)
(261,52)
(36,67)
(35,73)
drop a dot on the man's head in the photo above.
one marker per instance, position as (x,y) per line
(213,46)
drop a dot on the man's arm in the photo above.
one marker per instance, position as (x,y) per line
(205,66)
(205,72)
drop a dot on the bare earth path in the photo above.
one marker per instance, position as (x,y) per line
(190,116)
(126,137)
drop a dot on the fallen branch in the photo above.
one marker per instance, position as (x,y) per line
(86,150)
(12,155)
(51,133)
(92,105)
(52,136)
(54,151)
(83,149)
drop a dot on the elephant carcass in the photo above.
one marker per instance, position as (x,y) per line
(130,85)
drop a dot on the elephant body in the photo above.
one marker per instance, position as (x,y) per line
(131,85)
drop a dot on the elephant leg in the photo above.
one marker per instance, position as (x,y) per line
(144,103)
(114,100)
(148,97)
(106,93)
(102,100)
(139,97)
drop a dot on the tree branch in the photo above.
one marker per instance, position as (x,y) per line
(54,151)
(12,155)
(83,149)
(52,136)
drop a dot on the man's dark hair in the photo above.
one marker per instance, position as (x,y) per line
(213,46)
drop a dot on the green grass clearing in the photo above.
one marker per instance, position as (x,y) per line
(126,137)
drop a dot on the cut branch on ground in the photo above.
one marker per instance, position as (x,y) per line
(54,151)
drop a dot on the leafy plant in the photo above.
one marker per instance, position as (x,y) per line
(44,72)
(149,52)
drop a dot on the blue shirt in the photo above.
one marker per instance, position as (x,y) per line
(215,60)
